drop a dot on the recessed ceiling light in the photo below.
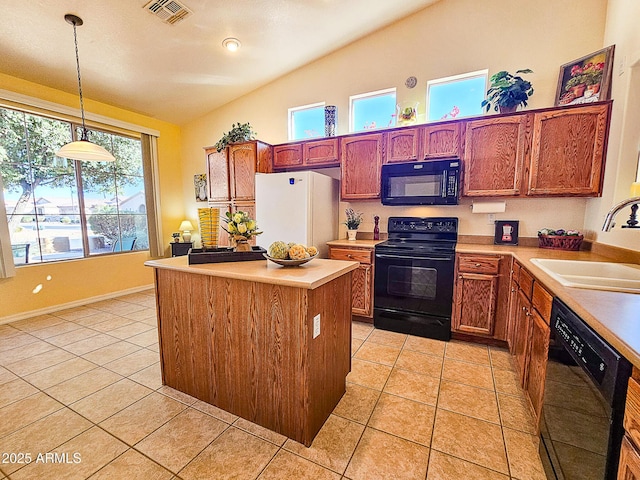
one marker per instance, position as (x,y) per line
(231,44)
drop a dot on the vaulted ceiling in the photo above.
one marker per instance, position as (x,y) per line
(131,58)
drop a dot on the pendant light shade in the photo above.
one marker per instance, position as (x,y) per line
(82,149)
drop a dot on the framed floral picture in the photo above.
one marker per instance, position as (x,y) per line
(200,185)
(587,79)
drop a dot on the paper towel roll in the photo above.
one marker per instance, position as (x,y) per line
(489,207)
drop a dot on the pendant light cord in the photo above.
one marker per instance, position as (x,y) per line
(84,135)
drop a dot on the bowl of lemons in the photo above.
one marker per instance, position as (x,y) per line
(290,254)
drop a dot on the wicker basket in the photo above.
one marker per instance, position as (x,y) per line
(560,242)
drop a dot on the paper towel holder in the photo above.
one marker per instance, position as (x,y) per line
(489,207)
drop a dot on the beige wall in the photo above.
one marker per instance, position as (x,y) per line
(73,281)
(448,38)
(624,140)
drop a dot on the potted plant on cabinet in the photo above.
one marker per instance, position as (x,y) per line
(240,132)
(354,219)
(508,91)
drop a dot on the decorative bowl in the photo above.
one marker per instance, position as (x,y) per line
(289,263)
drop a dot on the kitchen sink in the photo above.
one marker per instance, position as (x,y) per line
(619,277)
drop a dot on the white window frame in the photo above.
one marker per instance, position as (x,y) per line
(360,96)
(290,117)
(451,79)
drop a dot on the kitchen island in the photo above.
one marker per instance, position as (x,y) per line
(241,336)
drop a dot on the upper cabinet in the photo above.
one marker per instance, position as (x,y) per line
(308,154)
(245,159)
(494,154)
(218,175)
(360,164)
(441,141)
(231,172)
(568,151)
(401,145)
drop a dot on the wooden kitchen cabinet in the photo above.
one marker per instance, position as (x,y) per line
(568,151)
(494,155)
(360,164)
(218,175)
(402,145)
(521,333)
(362,278)
(321,153)
(286,156)
(480,279)
(629,466)
(537,367)
(441,141)
(245,159)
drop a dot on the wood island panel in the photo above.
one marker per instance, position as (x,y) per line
(248,347)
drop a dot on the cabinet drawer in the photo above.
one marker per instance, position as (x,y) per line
(478,264)
(632,411)
(541,301)
(515,272)
(352,254)
(525,280)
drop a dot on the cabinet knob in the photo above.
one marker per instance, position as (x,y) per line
(478,264)
(524,308)
(349,255)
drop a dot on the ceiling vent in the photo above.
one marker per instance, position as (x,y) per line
(169,11)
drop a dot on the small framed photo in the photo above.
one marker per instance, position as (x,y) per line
(587,79)
(506,232)
(200,185)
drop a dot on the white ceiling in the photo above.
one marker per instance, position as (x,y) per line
(131,59)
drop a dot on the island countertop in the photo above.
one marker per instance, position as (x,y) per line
(311,275)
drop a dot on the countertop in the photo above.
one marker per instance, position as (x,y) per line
(354,243)
(615,316)
(308,276)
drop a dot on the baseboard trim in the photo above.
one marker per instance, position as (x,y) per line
(75,303)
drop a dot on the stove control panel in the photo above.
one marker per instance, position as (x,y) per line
(423,224)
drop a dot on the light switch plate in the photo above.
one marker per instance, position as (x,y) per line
(316,326)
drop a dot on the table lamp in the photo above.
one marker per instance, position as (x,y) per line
(185,228)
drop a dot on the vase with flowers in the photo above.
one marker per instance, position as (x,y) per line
(354,219)
(241,228)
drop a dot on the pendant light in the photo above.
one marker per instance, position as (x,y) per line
(82,149)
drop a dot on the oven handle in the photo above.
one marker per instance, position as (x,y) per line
(446,258)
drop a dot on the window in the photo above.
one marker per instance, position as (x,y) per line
(306,121)
(458,96)
(61,209)
(372,110)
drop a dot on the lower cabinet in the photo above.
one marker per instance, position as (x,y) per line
(629,467)
(362,277)
(480,279)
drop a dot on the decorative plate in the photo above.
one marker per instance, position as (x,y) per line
(411,82)
(289,263)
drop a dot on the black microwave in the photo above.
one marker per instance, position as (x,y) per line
(421,183)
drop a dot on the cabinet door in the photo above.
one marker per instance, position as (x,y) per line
(521,335)
(537,368)
(242,161)
(321,153)
(360,164)
(629,466)
(218,175)
(494,153)
(362,284)
(568,152)
(439,141)
(475,303)
(401,145)
(287,155)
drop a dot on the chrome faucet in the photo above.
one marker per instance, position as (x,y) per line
(608,221)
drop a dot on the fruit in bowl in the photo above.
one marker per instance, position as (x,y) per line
(291,254)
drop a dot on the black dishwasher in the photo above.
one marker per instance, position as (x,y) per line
(585,388)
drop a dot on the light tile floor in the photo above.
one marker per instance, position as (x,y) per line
(84,383)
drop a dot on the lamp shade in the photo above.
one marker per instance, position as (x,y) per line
(186,226)
(86,151)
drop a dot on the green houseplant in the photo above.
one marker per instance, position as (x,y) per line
(507,91)
(240,132)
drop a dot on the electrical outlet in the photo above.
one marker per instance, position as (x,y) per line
(491,218)
(316,326)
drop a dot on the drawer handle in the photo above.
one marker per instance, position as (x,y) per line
(349,255)
(478,264)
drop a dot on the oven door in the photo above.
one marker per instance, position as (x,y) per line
(418,284)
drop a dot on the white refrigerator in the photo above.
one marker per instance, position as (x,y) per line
(299,207)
